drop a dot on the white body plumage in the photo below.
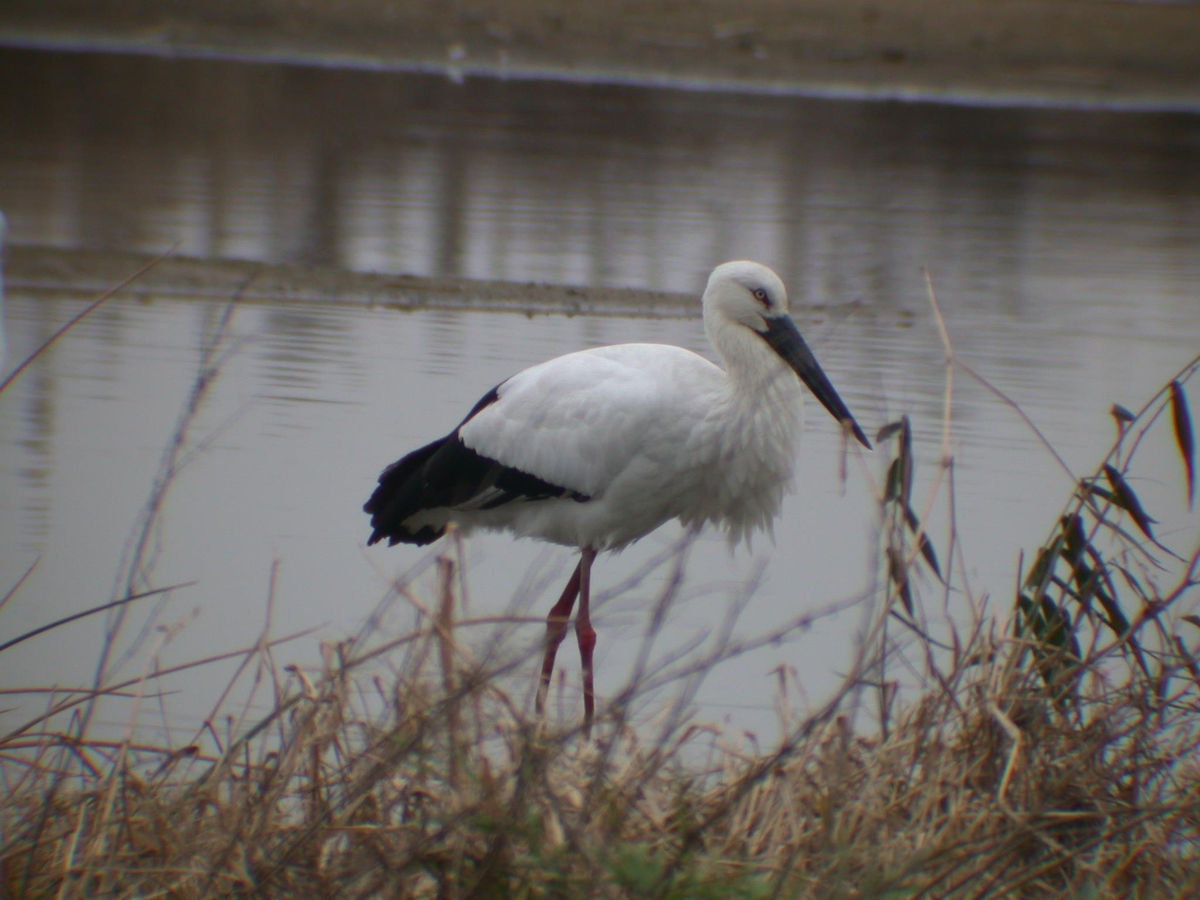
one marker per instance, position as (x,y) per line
(650,433)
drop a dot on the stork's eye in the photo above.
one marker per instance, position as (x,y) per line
(761,296)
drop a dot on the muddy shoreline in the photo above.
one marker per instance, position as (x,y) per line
(1110,53)
(85,274)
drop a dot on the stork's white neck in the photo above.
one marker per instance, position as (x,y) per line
(760,417)
(764,397)
(753,366)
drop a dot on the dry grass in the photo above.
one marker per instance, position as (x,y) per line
(433,783)
(1048,753)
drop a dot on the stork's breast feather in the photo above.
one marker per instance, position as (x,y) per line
(581,420)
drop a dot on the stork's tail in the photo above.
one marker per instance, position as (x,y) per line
(400,495)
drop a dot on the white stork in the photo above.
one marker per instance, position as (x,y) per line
(598,448)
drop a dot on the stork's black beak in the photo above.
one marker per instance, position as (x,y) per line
(785,339)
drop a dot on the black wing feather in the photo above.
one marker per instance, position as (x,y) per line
(447,474)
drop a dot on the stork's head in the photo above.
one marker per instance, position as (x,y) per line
(745,292)
(744,298)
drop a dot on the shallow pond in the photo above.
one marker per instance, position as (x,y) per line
(1064,247)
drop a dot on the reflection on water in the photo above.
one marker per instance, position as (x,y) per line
(1065,249)
(597,185)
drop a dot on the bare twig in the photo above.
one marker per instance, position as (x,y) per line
(81,315)
(50,626)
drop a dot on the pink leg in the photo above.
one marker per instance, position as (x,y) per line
(556,630)
(587,637)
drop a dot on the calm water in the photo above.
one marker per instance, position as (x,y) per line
(1065,248)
